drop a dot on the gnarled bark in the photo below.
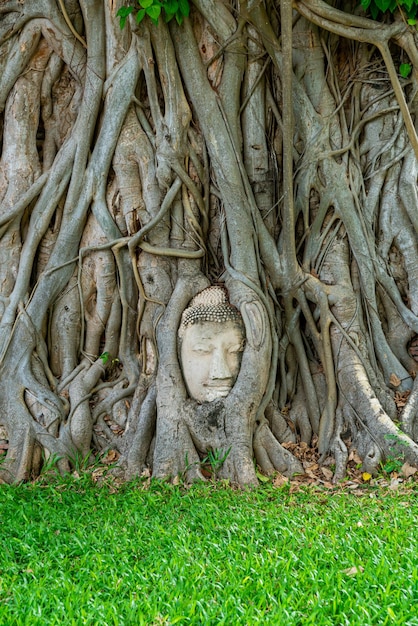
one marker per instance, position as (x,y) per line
(246,147)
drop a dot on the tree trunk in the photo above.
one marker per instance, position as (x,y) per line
(271,152)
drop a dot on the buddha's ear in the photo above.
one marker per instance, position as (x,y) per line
(255,323)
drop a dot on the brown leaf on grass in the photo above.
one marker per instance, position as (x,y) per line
(111,457)
(394,380)
(352,571)
(329,485)
(98,473)
(279,480)
(146,482)
(350,484)
(381,482)
(327,473)
(310,466)
(408,470)
(394,483)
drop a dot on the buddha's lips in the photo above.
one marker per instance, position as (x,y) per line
(214,386)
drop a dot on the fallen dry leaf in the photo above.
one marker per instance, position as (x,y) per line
(328,485)
(395,482)
(310,466)
(279,480)
(327,473)
(394,380)
(401,398)
(98,473)
(408,470)
(353,456)
(353,571)
(111,457)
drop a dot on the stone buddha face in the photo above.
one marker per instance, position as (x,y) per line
(212,341)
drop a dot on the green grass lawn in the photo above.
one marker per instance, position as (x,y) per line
(75,553)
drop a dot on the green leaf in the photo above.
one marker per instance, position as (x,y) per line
(262,478)
(407,4)
(184,7)
(365,4)
(412,21)
(140,16)
(105,357)
(124,11)
(123,14)
(412,11)
(154,12)
(146,4)
(179,18)
(405,69)
(374,11)
(383,5)
(171,6)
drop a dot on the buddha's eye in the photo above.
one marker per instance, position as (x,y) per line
(202,349)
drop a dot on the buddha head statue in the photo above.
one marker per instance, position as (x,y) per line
(211,341)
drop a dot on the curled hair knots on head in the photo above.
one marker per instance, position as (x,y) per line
(210,305)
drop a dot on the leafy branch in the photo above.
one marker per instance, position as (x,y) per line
(407,7)
(376,7)
(169,9)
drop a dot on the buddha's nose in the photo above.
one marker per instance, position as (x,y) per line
(219,369)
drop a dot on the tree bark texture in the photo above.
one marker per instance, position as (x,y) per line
(268,148)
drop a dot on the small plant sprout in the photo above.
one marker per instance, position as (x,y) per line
(216,458)
(405,69)
(105,357)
